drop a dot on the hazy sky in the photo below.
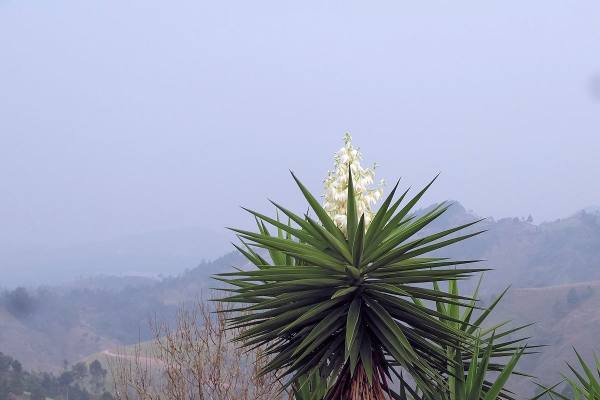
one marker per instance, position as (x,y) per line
(119,116)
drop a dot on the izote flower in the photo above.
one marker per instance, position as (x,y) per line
(336,186)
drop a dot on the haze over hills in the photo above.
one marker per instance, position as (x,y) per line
(120,120)
(524,254)
(168,252)
(564,316)
(517,249)
(45,326)
(542,262)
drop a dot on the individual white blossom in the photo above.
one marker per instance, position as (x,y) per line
(336,186)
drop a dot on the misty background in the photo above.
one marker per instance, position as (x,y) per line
(131,132)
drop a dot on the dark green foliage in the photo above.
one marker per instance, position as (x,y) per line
(80,370)
(20,303)
(495,350)
(584,381)
(97,375)
(15,382)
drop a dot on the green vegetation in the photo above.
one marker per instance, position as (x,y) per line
(340,304)
(80,382)
(584,384)
(470,376)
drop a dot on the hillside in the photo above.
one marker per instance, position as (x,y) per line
(565,316)
(46,326)
(524,254)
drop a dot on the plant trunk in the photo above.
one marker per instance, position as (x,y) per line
(357,387)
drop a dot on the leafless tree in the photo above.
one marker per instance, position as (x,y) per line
(194,360)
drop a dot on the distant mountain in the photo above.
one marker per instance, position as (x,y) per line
(152,254)
(523,254)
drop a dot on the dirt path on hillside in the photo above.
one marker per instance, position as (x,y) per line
(132,357)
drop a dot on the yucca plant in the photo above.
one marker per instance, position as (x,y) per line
(586,383)
(475,383)
(335,293)
(469,376)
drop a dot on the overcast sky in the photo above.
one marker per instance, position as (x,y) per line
(121,117)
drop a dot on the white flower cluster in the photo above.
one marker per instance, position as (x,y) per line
(336,186)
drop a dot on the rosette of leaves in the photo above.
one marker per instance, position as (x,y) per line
(342,304)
